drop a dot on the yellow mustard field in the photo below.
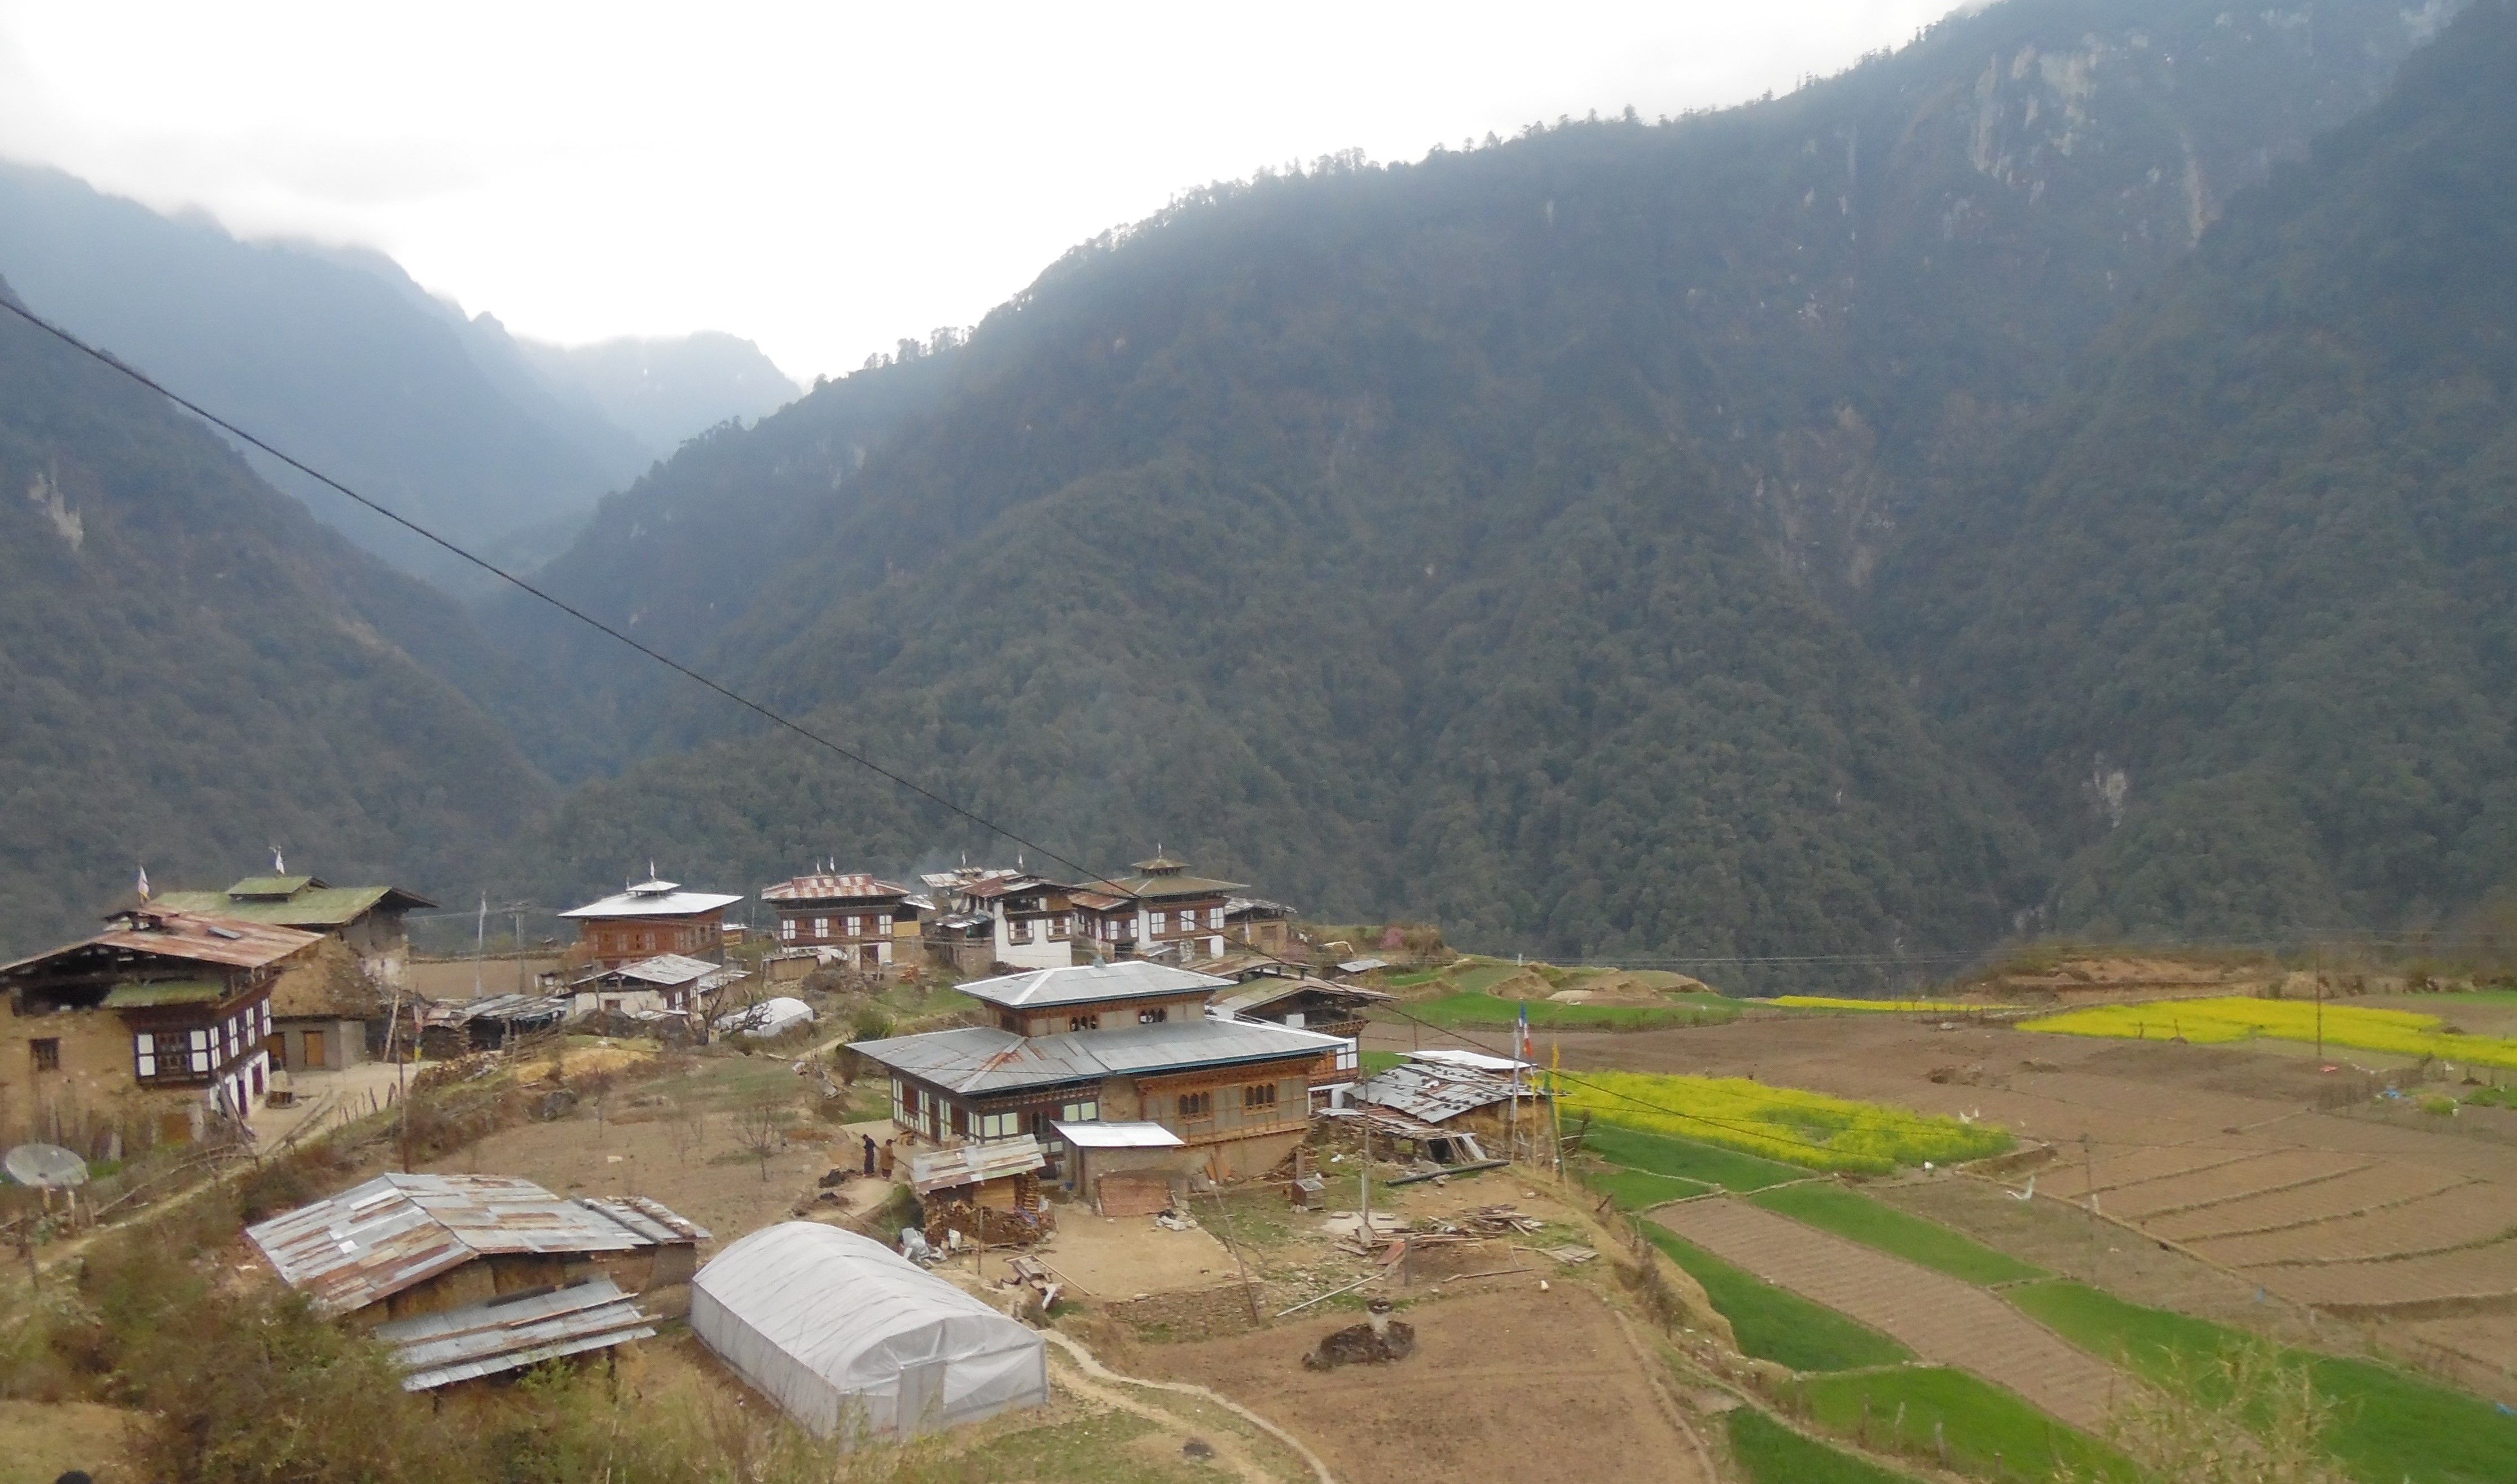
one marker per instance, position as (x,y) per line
(2400,1033)
(1783,1123)
(1920,1007)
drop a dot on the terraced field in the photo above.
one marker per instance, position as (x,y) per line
(1938,1317)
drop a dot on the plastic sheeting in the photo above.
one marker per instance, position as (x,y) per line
(770,1017)
(854,1340)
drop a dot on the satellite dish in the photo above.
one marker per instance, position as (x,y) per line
(45,1166)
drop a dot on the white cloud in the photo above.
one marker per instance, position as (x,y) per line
(822,179)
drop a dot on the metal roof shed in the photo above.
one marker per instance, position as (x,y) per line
(855,1341)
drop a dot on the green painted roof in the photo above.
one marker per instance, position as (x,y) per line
(319,907)
(271,886)
(165,991)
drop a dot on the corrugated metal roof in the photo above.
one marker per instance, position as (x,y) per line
(971,1163)
(194,937)
(1084,983)
(653,899)
(1269,989)
(512,1332)
(1097,1135)
(667,970)
(374,1240)
(979,1059)
(510,1008)
(1474,1061)
(1363,965)
(1433,1093)
(847,886)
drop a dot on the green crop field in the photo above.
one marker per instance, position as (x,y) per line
(2390,1426)
(1786,1124)
(1850,1214)
(1685,1159)
(1477,1008)
(1640,1190)
(1773,1454)
(1774,1323)
(1980,1421)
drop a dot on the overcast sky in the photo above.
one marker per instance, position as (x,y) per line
(822,179)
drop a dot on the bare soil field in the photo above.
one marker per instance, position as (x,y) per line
(39,1442)
(2285,1176)
(1500,1384)
(1130,1256)
(1938,1317)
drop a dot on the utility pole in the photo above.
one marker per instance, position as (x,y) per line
(2320,1002)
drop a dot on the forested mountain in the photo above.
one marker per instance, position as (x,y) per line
(665,391)
(2236,617)
(335,356)
(1489,537)
(196,670)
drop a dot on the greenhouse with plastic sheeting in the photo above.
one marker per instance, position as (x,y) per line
(856,1341)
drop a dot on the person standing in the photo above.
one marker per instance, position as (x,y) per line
(869,1153)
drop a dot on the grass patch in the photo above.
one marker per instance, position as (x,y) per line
(1991,1433)
(1850,1214)
(1377,1062)
(2389,1424)
(1642,1190)
(2234,1018)
(1477,1008)
(1786,1124)
(1770,1453)
(1685,1159)
(1775,1324)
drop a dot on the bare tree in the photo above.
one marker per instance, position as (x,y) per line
(760,1125)
(687,1126)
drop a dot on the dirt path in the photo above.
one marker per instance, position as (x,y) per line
(1085,1363)
(1940,1317)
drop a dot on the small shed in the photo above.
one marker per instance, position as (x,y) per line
(1126,1170)
(856,1341)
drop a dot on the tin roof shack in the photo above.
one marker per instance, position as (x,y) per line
(1452,1097)
(651,917)
(988,1190)
(871,923)
(490,1025)
(1031,919)
(1126,1170)
(325,1012)
(370,920)
(1161,911)
(667,983)
(407,1245)
(147,1031)
(1127,1041)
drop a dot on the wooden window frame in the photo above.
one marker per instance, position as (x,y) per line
(1258,1096)
(44,1053)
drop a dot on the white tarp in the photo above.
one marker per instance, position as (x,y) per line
(851,1337)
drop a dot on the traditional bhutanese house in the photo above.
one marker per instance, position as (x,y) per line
(368,919)
(504,1272)
(154,1025)
(872,922)
(325,1012)
(1160,913)
(652,918)
(667,983)
(1122,1041)
(1307,1004)
(1031,919)
(1126,1170)
(1257,922)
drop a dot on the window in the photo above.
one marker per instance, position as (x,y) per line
(1161,922)
(1084,1022)
(786,928)
(925,1113)
(882,925)
(1259,1097)
(232,1037)
(899,1102)
(1086,1112)
(201,1048)
(1000,1125)
(1196,1105)
(143,1054)
(820,927)
(1153,1015)
(852,928)
(1018,930)
(265,1020)
(1057,926)
(47,1052)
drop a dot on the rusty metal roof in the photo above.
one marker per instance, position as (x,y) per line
(512,1331)
(194,937)
(847,886)
(375,1239)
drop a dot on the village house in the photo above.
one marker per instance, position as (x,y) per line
(651,917)
(868,922)
(470,1275)
(1129,1041)
(1286,998)
(370,920)
(1031,919)
(668,984)
(326,1013)
(1160,913)
(1255,923)
(149,1029)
